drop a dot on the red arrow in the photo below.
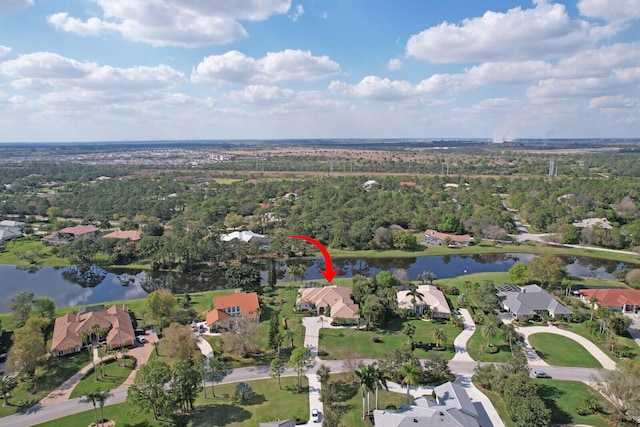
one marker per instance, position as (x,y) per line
(330,273)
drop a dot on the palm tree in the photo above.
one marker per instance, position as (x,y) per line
(511,335)
(365,376)
(409,330)
(427,276)
(7,383)
(439,335)
(379,379)
(415,295)
(297,272)
(592,302)
(489,331)
(101,397)
(410,372)
(290,335)
(91,397)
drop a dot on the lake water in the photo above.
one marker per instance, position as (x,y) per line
(69,286)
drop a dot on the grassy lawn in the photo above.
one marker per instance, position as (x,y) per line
(350,399)
(562,351)
(622,341)
(268,403)
(49,376)
(564,397)
(336,343)
(27,252)
(475,343)
(114,375)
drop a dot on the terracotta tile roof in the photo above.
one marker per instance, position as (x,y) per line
(248,303)
(613,297)
(126,234)
(79,230)
(336,297)
(68,329)
(215,316)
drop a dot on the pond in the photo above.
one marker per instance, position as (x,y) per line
(70,286)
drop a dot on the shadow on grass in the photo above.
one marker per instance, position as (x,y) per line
(223,414)
(549,395)
(342,391)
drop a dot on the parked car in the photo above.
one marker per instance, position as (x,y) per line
(315,416)
(541,374)
(141,339)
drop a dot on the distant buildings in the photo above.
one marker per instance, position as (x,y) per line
(10,230)
(247,237)
(435,238)
(594,222)
(133,235)
(69,234)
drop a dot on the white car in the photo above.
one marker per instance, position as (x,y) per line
(141,339)
(315,416)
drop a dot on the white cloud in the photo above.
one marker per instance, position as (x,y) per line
(173,22)
(617,101)
(257,94)
(620,81)
(376,89)
(4,51)
(610,10)
(546,31)
(599,62)
(287,65)
(296,12)
(395,64)
(63,80)
(8,6)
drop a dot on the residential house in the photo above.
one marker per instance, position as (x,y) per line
(69,234)
(522,301)
(133,235)
(451,407)
(334,301)
(10,230)
(69,330)
(624,300)
(239,304)
(370,183)
(432,299)
(247,237)
(435,238)
(594,222)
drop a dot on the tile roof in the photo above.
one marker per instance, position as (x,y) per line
(79,230)
(431,296)
(336,297)
(613,297)
(248,303)
(531,300)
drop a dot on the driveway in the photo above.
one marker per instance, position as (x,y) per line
(460,342)
(601,356)
(634,328)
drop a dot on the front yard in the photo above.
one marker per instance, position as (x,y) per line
(562,351)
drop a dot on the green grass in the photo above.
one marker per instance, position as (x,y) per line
(350,406)
(562,351)
(30,252)
(268,403)
(622,341)
(114,376)
(475,343)
(336,343)
(564,397)
(49,376)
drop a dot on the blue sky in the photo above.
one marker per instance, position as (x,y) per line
(100,70)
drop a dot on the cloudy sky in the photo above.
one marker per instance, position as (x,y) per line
(99,70)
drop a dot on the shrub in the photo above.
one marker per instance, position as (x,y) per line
(493,349)
(454,291)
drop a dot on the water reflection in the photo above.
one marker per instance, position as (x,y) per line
(70,286)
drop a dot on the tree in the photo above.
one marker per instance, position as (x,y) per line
(243,393)
(409,330)
(101,396)
(511,335)
(365,378)
(21,307)
(620,386)
(411,373)
(323,373)
(277,369)
(185,381)
(148,391)
(297,272)
(28,347)
(547,269)
(44,307)
(244,277)
(275,337)
(217,372)
(439,335)
(404,240)
(90,397)
(633,278)
(593,301)
(179,342)
(489,331)
(373,310)
(436,370)
(379,379)
(301,360)
(272,279)
(160,304)
(351,363)
(415,295)
(244,336)
(518,273)
(487,296)
(427,276)
(7,383)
